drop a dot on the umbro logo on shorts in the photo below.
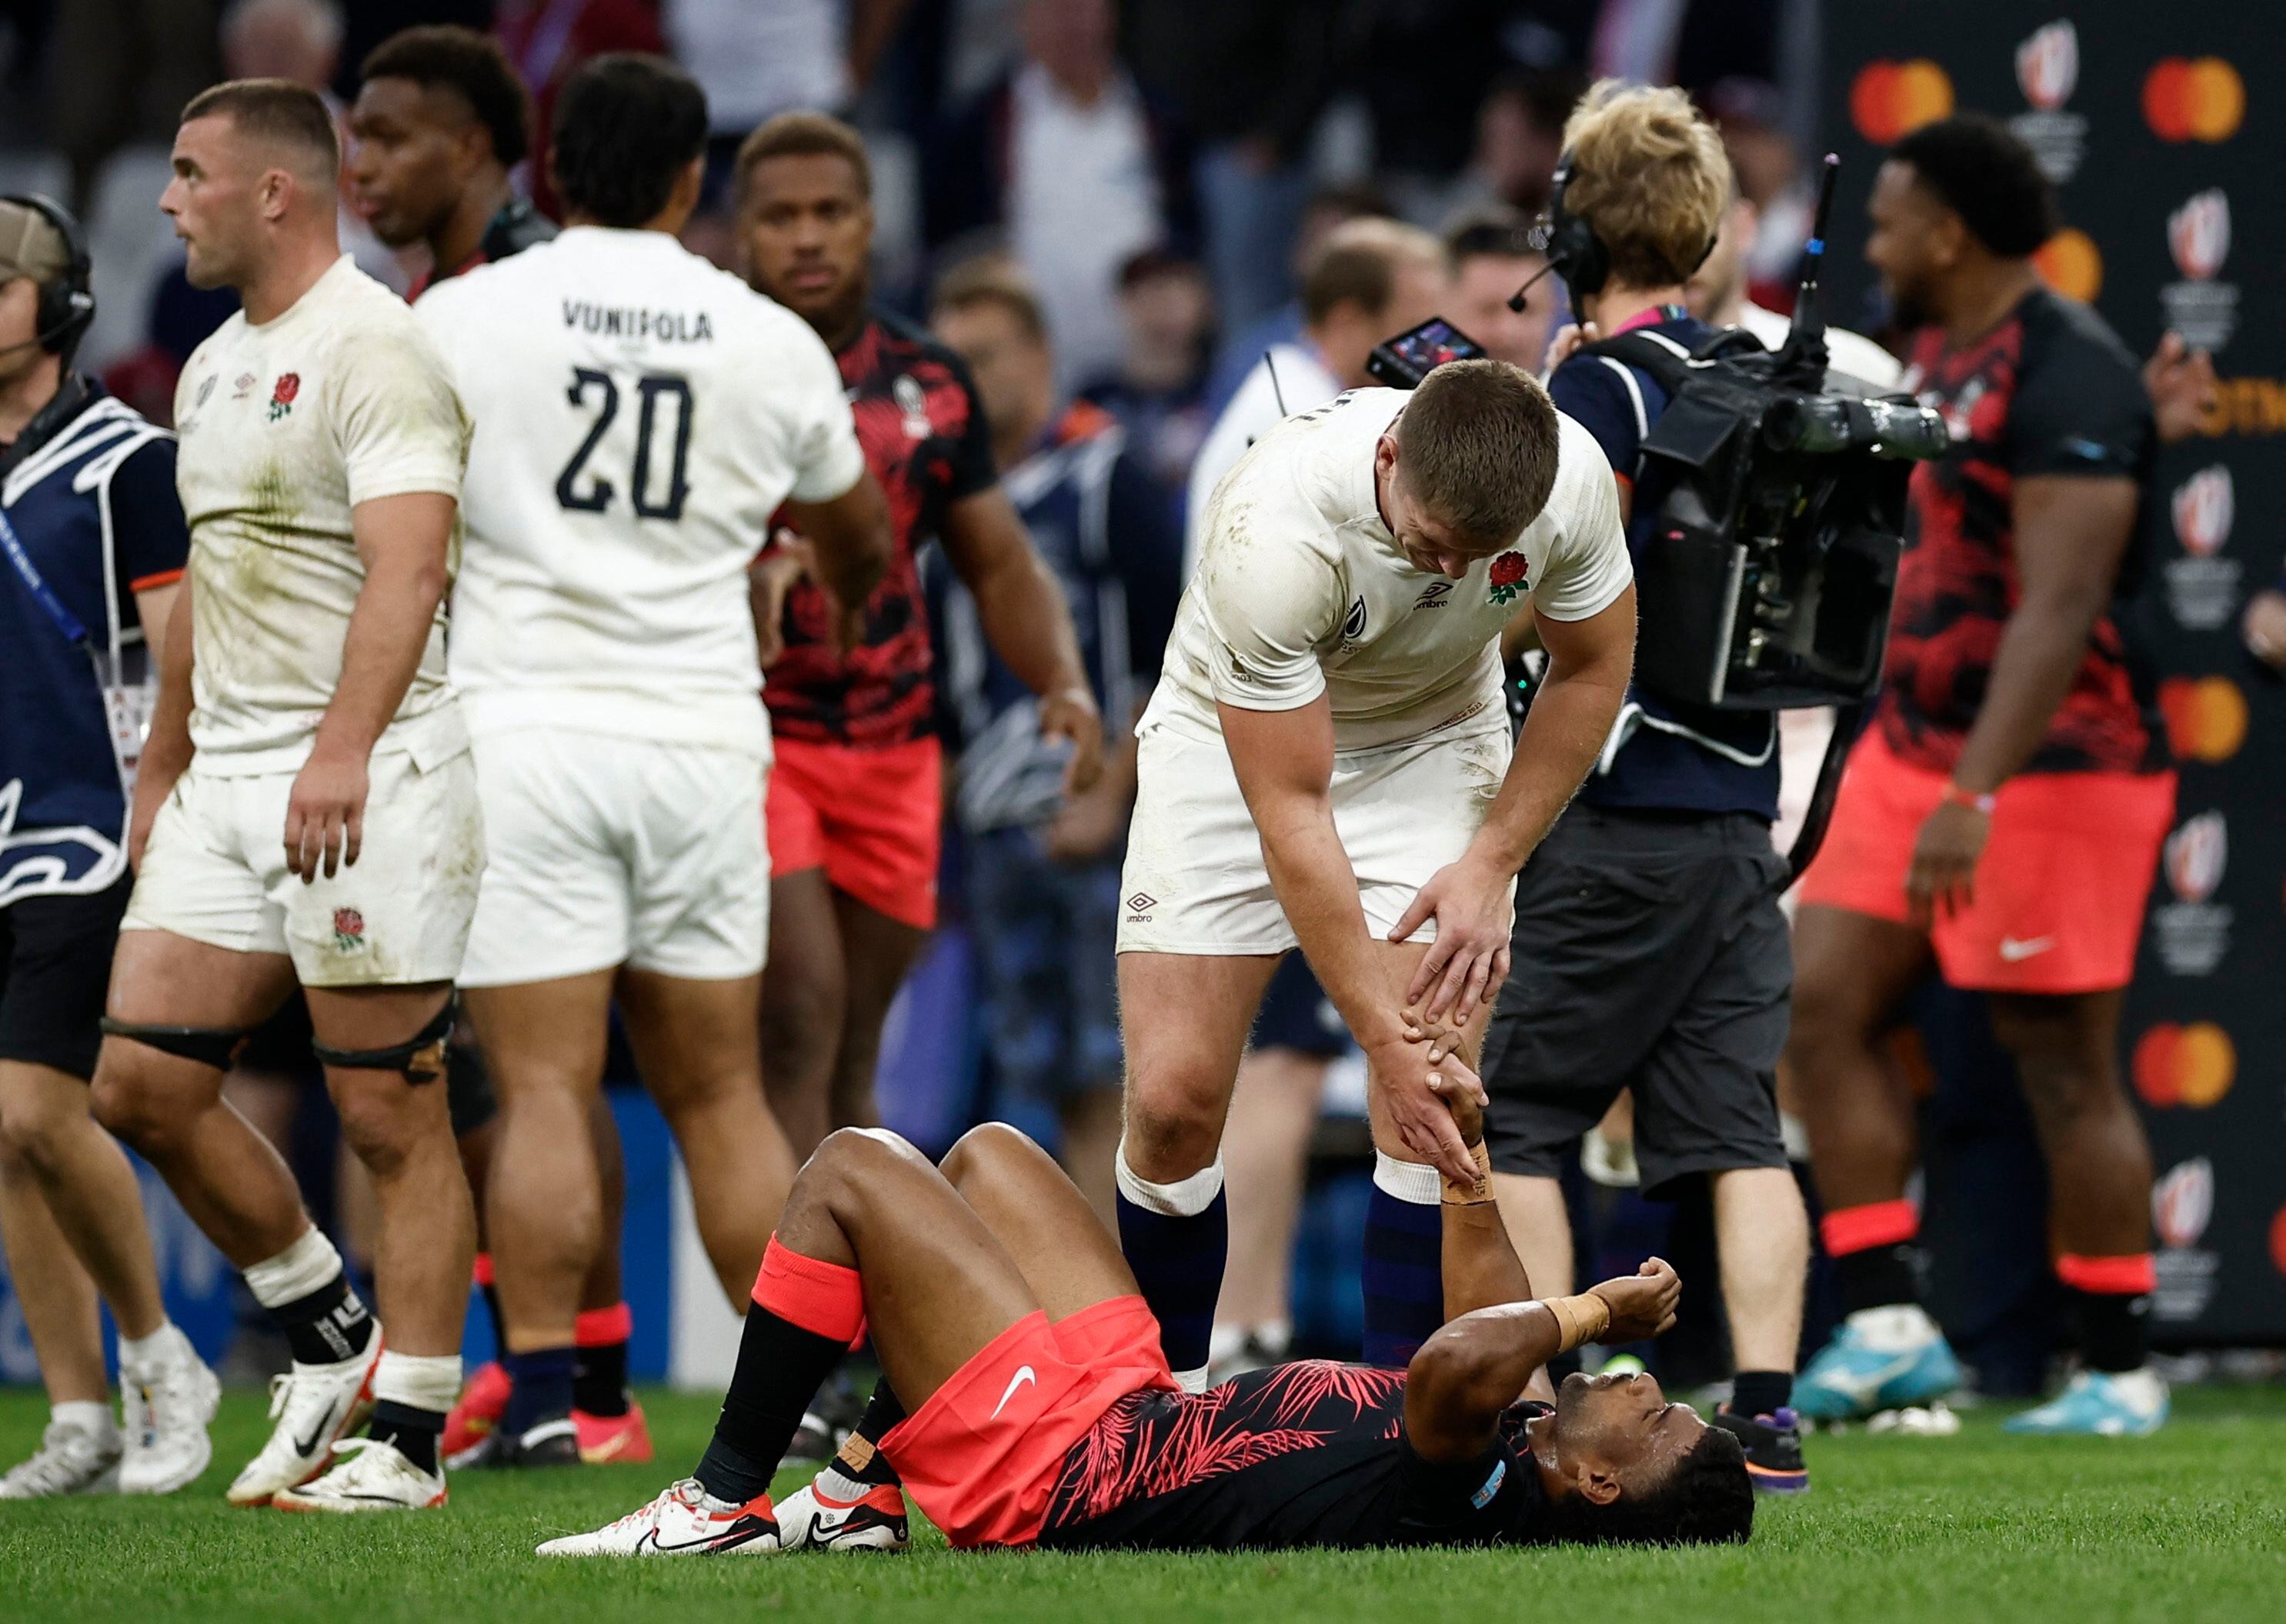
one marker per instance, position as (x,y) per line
(1139,906)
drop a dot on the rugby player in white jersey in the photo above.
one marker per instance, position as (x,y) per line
(306,808)
(640,415)
(1327,761)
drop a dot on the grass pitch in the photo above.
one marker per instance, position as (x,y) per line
(2188,1526)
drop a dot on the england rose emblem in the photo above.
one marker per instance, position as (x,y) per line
(348,929)
(281,395)
(1508,576)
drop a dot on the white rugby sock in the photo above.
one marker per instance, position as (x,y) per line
(142,1352)
(88,1415)
(417,1382)
(1416,1182)
(295,1272)
(1184,1198)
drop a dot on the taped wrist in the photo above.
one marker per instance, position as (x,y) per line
(420,1058)
(1477,1190)
(1578,1318)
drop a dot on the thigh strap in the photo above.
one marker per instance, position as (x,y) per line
(206,1046)
(420,1057)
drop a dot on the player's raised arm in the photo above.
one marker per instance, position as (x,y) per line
(1026,622)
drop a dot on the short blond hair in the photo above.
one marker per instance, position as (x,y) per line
(1649,174)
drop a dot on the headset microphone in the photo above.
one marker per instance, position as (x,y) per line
(1515,299)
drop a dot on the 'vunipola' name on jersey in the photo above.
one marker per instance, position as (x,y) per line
(666,326)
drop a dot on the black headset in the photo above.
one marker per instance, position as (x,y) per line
(1573,251)
(66,303)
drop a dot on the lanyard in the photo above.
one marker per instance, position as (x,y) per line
(67,622)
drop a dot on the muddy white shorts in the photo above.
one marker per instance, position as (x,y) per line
(215,871)
(1195,882)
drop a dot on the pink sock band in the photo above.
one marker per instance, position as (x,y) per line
(482,1271)
(2108,1276)
(597,1328)
(1858,1229)
(825,1299)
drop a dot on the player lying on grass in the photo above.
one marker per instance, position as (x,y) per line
(1044,1413)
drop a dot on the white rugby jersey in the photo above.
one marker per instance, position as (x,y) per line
(640,415)
(285,428)
(1302,590)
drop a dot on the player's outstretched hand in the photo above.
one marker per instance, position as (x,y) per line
(2181,384)
(1463,1094)
(1642,1303)
(1414,1091)
(325,816)
(789,559)
(1468,962)
(1069,713)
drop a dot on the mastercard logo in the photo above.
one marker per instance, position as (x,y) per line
(2206,716)
(2192,1065)
(2070,263)
(2193,99)
(1889,101)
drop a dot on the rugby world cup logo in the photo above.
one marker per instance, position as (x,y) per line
(2182,1203)
(2204,506)
(2198,234)
(2196,853)
(2048,66)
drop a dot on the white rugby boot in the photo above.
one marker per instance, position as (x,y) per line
(366,1475)
(177,1396)
(315,1408)
(71,1460)
(683,1521)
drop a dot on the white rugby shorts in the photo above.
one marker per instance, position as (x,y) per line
(215,871)
(1194,880)
(612,851)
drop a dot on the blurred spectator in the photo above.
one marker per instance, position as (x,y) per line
(123,69)
(1719,296)
(1370,281)
(1424,68)
(1063,153)
(547,40)
(1249,77)
(757,58)
(1492,255)
(1694,43)
(1520,135)
(300,40)
(1157,389)
(1772,177)
(1241,351)
(1044,882)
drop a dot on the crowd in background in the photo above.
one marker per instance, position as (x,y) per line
(1113,209)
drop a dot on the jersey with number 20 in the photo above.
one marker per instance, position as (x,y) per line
(639,416)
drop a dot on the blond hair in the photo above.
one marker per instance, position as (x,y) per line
(1649,174)
(1359,261)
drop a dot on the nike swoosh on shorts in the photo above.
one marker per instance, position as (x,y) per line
(1023,1374)
(2013,952)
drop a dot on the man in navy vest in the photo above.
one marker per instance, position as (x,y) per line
(93,542)
(1650,953)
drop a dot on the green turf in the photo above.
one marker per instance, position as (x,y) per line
(2190,1526)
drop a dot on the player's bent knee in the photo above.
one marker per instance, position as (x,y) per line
(986,1146)
(33,1137)
(1173,1125)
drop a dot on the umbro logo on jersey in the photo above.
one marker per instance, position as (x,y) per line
(1439,594)
(1354,627)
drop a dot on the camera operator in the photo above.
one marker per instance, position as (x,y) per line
(1650,954)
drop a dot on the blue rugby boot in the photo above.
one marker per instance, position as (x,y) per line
(1880,1359)
(2099,1404)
